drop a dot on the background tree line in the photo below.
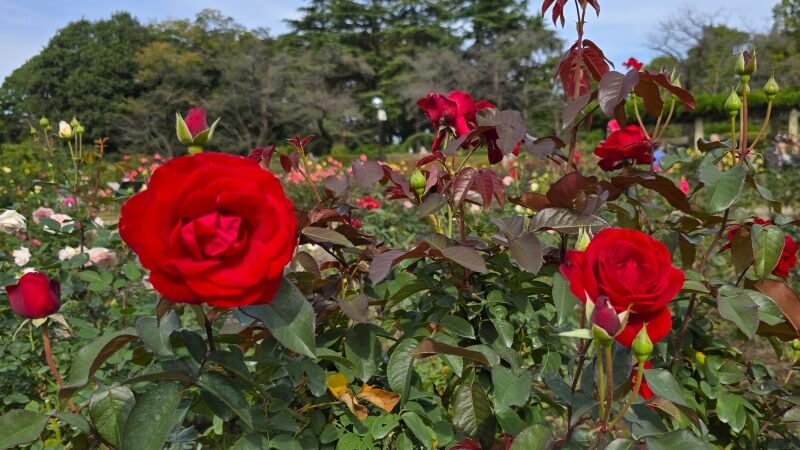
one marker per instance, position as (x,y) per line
(125,79)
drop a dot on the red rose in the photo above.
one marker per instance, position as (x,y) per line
(212,228)
(634,271)
(633,63)
(369,203)
(34,296)
(628,143)
(788,257)
(644,390)
(196,120)
(457,110)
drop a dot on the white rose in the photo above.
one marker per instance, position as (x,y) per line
(101,256)
(62,220)
(67,253)
(22,256)
(64,130)
(11,221)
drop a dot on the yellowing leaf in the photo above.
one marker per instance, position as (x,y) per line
(359,411)
(337,384)
(384,400)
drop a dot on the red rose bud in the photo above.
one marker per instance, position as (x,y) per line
(605,322)
(745,65)
(642,345)
(35,296)
(194,130)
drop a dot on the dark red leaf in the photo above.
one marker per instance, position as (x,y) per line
(683,95)
(614,88)
(462,184)
(367,173)
(647,89)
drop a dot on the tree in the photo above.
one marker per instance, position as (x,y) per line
(86,70)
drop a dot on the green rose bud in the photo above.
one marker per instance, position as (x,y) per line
(796,344)
(745,65)
(74,123)
(44,123)
(33,131)
(733,104)
(642,345)
(771,89)
(418,182)
(583,239)
(79,130)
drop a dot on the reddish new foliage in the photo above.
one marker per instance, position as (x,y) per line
(583,58)
(621,145)
(633,64)
(369,203)
(34,296)
(196,121)
(788,257)
(634,271)
(558,8)
(212,228)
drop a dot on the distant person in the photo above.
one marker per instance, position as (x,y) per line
(776,156)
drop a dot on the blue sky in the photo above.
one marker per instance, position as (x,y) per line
(622,30)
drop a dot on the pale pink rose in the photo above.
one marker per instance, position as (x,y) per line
(407,204)
(101,256)
(507,180)
(42,212)
(157,156)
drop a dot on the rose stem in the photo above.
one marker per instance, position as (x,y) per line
(636,386)
(610,381)
(48,355)
(209,331)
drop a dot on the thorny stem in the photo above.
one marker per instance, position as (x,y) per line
(636,386)
(466,158)
(609,381)
(639,117)
(601,384)
(48,355)
(763,127)
(666,122)
(582,349)
(209,331)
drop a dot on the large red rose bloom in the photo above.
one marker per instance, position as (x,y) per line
(212,228)
(34,296)
(634,271)
(627,143)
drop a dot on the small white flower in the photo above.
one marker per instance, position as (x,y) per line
(100,223)
(519,209)
(64,130)
(22,256)
(113,185)
(28,270)
(11,221)
(67,253)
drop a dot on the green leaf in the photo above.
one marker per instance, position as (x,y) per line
(768,242)
(284,442)
(535,437)
(457,326)
(109,408)
(422,432)
(153,418)
(722,188)
(90,358)
(466,257)
(527,252)
(433,202)
(741,310)
(564,299)
(148,330)
(383,425)
(400,368)
(21,426)
(252,441)
(662,383)
(510,389)
(678,439)
(324,235)
(225,391)
(472,413)
(290,318)
(731,409)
